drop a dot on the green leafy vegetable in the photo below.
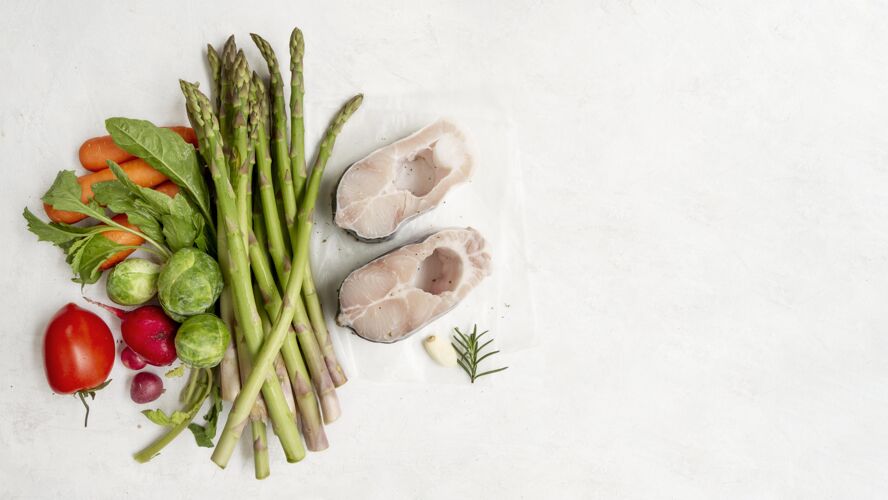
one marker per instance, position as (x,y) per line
(167,152)
(174,221)
(175,372)
(469,351)
(160,418)
(64,194)
(85,248)
(204,435)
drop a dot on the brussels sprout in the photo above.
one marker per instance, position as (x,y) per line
(133,282)
(189,283)
(201,341)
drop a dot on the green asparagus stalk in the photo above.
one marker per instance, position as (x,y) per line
(241,162)
(312,427)
(297,155)
(319,325)
(275,236)
(262,362)
(259,118)
(229,54)
(215,62)
(297,115)
(257,414)
(229,378)
(206,127)
(279,130)
(259,125)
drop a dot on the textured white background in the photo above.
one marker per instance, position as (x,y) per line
(708,200)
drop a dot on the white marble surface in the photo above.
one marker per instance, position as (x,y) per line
(707,233)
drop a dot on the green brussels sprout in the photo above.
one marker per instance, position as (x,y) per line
(133,282)
(189,283)
(201,341)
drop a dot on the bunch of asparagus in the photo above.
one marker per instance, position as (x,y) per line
(282,347)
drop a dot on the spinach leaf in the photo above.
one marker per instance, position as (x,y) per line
(167,152)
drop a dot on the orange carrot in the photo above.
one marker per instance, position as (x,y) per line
(137,170)
(96,151)
(168,188)
(123,238)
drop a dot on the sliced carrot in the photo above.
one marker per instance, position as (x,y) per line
(137,170)
(95,152)
(168,188)
(123,238)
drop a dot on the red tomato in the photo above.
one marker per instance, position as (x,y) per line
(78,351)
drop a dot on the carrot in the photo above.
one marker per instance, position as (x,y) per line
(168,188)
(96,151)
(123,238)
(137,170)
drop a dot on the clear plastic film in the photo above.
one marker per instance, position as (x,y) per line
(491,202)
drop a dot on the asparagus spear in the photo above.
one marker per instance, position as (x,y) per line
(316,363)
(229,53)
(258,414)
(206,126)
(297,118)
(215,63)
(312,427)
(279,130)
(259,118)
(263,360)
(240,162)
(297,155)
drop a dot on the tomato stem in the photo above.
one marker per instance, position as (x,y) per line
(82,396)
(91,392)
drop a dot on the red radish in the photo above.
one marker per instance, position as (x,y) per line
(131,360)
(148,332)
(146,387)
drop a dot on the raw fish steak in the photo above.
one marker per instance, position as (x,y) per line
(378,194)
(397,294)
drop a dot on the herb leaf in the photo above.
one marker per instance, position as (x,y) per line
(53,232)
(469,348)
(158,417)
(64,194)
(204,435)
(167,152)
(85,247)
(90,256)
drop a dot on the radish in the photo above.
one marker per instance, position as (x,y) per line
(146,387)
(131,360)
(148,332)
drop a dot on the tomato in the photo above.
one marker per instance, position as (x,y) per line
(78,351)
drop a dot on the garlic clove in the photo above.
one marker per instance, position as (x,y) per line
(440,350)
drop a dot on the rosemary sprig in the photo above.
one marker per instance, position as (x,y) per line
(469,349)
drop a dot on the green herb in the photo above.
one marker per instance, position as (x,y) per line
(167,152)
(65,195)
(175,372)
(174,221)
(204,435)
(469,351)
(162,419)
(201,381)
(85,247)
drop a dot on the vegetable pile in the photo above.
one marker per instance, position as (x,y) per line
(226,229)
